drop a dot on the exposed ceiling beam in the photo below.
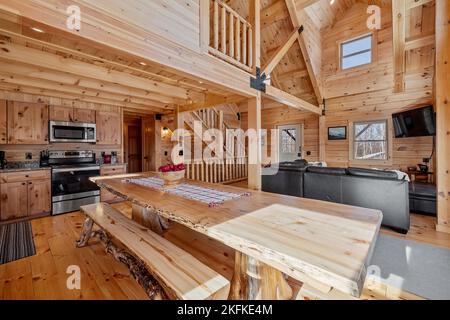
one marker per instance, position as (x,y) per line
(93,84)
(290,100)
(410,4)
(77,90)
(18,53)
(399,43)
(280,53)
(293,8)
(63,95)
(107,63)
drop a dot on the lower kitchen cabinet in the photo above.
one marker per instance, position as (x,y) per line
(111,170)
(14,200)
(25,194)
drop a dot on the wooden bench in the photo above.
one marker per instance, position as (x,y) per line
(163,269)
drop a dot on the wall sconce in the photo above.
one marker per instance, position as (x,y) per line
(165,132)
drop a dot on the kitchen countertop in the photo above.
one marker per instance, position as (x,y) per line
(114,165)
(23,169)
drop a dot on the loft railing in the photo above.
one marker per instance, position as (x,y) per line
(219,171)
(230,36)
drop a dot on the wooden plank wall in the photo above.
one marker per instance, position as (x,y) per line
(282,115)
(18,152)
(367,92)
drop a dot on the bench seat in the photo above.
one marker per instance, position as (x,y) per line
(180,274)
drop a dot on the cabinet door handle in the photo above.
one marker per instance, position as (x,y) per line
(30,183)
(24,183)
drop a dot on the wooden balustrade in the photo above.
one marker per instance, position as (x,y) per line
(231,38)
(219,171)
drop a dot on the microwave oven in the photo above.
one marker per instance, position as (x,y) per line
(72,132)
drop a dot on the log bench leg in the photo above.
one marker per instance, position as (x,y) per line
(149,219)
(86,233)
(254,280)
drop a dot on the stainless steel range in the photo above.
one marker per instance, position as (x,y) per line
(71,187)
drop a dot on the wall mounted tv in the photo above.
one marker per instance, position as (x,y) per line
(415,123)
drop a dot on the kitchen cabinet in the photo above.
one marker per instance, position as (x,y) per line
(27,123)
(25,194)
(84,115)
(14,197)
(111,170)
(62,114)
(3,132)
(109,130)
(70,114)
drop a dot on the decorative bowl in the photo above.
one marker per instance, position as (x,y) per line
(172,178)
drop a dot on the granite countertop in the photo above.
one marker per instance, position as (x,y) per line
(9,170)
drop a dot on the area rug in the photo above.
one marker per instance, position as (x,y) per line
(16,242)
(417,268)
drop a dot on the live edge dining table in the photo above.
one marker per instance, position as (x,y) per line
(326,246)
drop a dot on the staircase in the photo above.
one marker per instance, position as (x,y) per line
(230,168)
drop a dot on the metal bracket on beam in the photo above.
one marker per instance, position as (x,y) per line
(301,29)
(324,108)
(258,83)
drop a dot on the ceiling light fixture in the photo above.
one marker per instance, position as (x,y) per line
(142,63)
(37,30)
(332,2)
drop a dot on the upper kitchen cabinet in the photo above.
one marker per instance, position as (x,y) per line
(108,127)
(3,136)
(84,115)
(70,114)
(27,123)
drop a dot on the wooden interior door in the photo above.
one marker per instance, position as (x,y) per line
(151,144)
(27,123)
(14,200)
(134,147)
(38,197)
(3,122)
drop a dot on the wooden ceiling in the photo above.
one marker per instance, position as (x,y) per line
(56,64)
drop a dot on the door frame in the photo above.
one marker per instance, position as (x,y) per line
(301,125)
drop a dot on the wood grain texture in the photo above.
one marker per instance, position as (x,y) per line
(180,274)
(213,222)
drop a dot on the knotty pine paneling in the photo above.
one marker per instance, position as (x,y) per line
(367,92)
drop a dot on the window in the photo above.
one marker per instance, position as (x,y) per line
(288,140)
(370,140)
(356,52)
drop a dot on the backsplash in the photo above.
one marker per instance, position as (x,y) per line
(22,165)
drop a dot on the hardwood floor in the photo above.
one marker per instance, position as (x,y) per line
(44,275)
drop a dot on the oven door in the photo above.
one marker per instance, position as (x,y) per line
(72,132)
(71,183)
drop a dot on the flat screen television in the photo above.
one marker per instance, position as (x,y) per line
(415,123)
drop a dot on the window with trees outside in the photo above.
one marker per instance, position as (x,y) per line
(356,52)
(370,140)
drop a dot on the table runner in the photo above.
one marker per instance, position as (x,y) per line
(189,191)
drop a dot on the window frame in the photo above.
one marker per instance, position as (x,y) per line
(389,143)
(373,51)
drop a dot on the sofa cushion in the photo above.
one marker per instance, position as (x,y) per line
(327,170)
(372,173)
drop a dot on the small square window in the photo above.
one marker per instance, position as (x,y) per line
(356,52)
(370,140)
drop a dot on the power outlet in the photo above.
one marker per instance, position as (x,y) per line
(28,156)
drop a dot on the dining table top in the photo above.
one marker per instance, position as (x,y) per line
(312,241)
